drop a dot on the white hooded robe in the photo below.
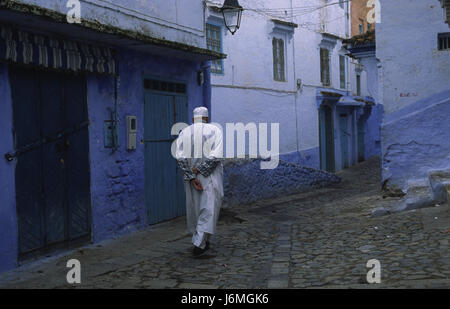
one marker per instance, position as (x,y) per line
(202,207)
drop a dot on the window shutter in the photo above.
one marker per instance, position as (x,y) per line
(278,59)
(281,58)
(342,71)
(274,47)
(324,67)
(214,43)
(358,85)
(327,66)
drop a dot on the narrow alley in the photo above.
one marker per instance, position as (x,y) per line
(319,239)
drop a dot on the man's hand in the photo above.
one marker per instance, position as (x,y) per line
(195,171)
(197,185)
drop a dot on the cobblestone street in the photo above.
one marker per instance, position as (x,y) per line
(320,239)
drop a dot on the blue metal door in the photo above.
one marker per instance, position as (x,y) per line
(52,159)
(344,137)
(361,134)
(165,196)
(326,138)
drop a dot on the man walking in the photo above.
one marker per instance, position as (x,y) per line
(199,152)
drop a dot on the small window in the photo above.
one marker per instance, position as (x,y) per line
(325,67)
(164,86)
(214,43)
(361,26)
(278,60)
(369,27)
(444,41)
(358,85)
(342,67)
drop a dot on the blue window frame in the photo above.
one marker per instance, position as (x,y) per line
(214,43)
(278,60)
(444,41)
(342,73)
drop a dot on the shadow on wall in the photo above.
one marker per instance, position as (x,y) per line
(245,182)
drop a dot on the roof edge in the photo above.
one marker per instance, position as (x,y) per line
(109,29)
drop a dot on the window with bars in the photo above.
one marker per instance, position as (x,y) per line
(444,41)
(342,68)
(214,43)
(325,67)
(164,86)
(278,60)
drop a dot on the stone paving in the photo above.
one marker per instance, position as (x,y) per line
(319,239)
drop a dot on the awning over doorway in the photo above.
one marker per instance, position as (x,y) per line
(30,17)
(350,101)
(24,47)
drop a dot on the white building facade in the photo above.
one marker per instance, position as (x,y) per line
(286,64)
(415,60)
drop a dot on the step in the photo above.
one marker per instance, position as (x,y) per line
(418,195)
(440,184)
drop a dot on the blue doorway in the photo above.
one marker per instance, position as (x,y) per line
(165,103)
(345,139)
(52,178)
(361,136)
(326,128)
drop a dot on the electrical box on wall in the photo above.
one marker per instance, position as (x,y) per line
(200,78)
(111,134)
(131,132)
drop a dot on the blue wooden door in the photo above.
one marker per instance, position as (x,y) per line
(344,137)
(361,136)
(165,196)
(52,159)
(326,138)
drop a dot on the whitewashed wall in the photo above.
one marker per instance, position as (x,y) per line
(413,68)
(174,20)
(247,92)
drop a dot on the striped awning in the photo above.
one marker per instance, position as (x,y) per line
(28,48)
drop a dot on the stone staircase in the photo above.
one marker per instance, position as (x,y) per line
(426,192)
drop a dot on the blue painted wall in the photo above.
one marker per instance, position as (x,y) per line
(118,193)
(245,182)
(8,217)
(117,178)
(415,141)
(308,158)
(372,138)
(416,82)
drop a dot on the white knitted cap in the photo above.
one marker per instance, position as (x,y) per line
(200,112)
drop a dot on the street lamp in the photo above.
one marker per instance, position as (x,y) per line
(232,13)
